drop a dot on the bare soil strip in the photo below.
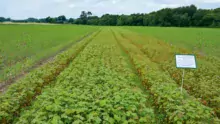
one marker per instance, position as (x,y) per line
(4,85)
(27,102)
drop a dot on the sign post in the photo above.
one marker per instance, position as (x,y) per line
(183,62)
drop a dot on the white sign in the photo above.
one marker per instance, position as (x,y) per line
(185,61)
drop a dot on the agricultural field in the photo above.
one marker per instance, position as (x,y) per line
(115,75)
(203,40)
(22,46)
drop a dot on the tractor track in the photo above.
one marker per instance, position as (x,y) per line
(4,85)
(27,103)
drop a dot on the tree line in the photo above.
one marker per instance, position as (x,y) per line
(179,17)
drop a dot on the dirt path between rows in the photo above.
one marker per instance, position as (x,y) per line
(4,85)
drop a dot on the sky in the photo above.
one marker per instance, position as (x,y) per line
(22,9)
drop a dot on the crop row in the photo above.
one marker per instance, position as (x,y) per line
(178,108)
(98,87)
(202,83)
(20,94)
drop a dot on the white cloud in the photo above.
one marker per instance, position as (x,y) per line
(72,5)
(169,5)
(60,1)
(20,9)
(115,1)
(212,1)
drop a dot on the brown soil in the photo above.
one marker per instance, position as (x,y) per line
(4,85)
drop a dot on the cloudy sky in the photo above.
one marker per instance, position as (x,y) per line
(20,9)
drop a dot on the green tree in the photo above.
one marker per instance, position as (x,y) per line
(124,20)
(184,20)
(48,20)
(108,19)
(61,19)
(93,20)
(32,20)
(89,13)
(83,17)
(2,19)
(71,21)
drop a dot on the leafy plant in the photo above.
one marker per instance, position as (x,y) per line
(178,108)
(21,94)
(95,88)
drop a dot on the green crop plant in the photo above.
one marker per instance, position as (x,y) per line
(167,97)
(25,45)
(20,94)
(114,75)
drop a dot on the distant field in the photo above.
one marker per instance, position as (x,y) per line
(23,45)
(28,23)
(204,40)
